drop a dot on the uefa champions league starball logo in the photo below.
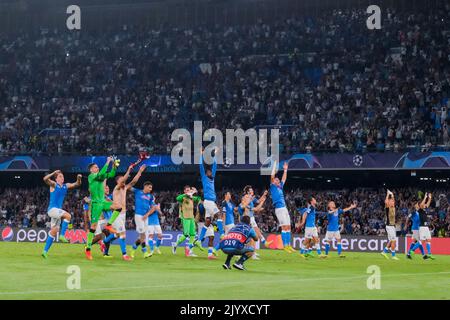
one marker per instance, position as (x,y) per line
(227,163)
(7,234)
(358,160)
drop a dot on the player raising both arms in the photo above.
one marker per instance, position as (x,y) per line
(389,203)
(187,202)
(209,202)
(333,226)
(424,230)
(58,191)
(98,203)
(256,206)
(247,208)
(120,200)
(284,220)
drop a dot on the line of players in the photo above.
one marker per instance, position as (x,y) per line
(105,214)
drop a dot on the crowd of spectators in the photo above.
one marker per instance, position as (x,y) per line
(335,84)
(24,208)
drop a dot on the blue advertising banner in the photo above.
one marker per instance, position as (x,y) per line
(307,161)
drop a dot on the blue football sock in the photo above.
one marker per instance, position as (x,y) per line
(385,250)
(428,248)
(210,251)
(64,225)
(220,226)
(411,247)
(109,238)
(327,248)
(393,253)
(319,251)
(134,246)
(283,237)
(158,242)
(123,246)
(339,248)
(151,244)
(302,251)
(48,243)
(288,238)
(422,251)
(203,233)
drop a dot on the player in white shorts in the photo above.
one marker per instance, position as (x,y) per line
(58,191)
(256,206)
(120,200)
(333,232)
(281,211)
(424,230)
(143,201)
(390,226)
(154,228)
(248,207)
(209,203)
(311,234)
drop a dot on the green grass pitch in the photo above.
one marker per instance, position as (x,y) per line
(24,274)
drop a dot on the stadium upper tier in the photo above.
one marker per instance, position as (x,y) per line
(338,85)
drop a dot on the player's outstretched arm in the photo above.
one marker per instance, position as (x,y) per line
(202,166)
(285,169)
(180,197)
(427,205)
(274,171)
(424,200)
(102,174)
(75,184)
(351,207)
(48,178)
(260,206)
(136,177)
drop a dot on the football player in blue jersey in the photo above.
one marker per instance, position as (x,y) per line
(281,211)
(333,232)
(58,191)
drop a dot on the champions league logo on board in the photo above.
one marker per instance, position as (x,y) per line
(358,160)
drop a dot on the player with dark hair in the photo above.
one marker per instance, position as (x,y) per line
(333,232)
(235,243)
(143,207)
(120,200)
(424,230)
(309,221)
(389,203)
(209,202)
(414,217)
(98,203)
(187,201)
(281,211)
